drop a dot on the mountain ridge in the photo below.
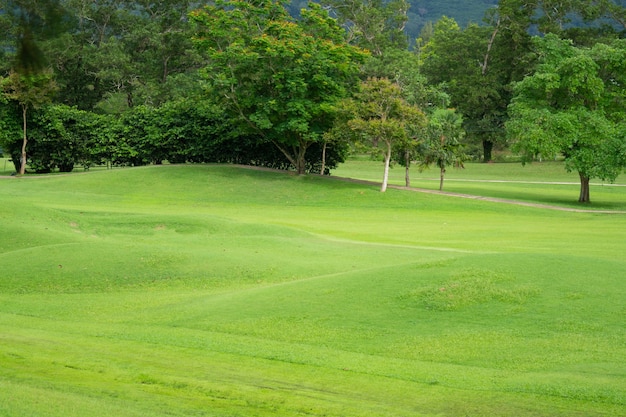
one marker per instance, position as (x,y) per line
(463,11)
(424,11)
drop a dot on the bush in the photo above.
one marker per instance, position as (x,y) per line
(198,131)
(61,137)
(11,132)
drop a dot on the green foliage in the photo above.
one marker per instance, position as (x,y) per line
(403,68)
(475,66)
(548,16)
(28,24)
(102,48)
(375,25)
(384,121)
(189,131)
(284,72)
(62,137)
(53,143)
(127,47)
(281,79)
(30,90)
(11,131)
(443,146)
(568,107)
(177,132)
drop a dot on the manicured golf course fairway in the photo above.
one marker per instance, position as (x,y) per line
(225,291)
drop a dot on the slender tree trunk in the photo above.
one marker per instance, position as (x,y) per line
(407,166)
(489,46)
(165,69)
(584,189)
(488,145)
(25,140)
(323,168)
(383,187)
(442,173)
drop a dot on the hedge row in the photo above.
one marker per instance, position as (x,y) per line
(62,137)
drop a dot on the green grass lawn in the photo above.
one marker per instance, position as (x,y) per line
(223,291)
(544,183)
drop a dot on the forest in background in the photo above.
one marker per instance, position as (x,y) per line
(133,82)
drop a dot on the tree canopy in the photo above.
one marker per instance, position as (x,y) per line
(442,146)
(279,77)
(375,25)
(384,120)
(573,105)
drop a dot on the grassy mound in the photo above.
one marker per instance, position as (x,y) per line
(222,291)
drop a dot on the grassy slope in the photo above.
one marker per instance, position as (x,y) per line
(203,290)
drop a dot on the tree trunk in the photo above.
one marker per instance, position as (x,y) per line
(487,148)
(383,187)
(584,189)
(442,173)
(407,165)
(323,168)
(489,46)
(165,70)
(298,158)
(25,140)
(301,159)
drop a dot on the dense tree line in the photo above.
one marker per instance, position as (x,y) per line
(133,82)
(139,75)
(514,89)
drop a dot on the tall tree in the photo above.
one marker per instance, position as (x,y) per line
(279,77)
(385,120)
(573,105)
(616,12)
(375,25)
(122,51)
(476,66)
(443,146)
(157,41)
(479,64)
(402,66)
(30,91)
(28,23)
(29,82)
